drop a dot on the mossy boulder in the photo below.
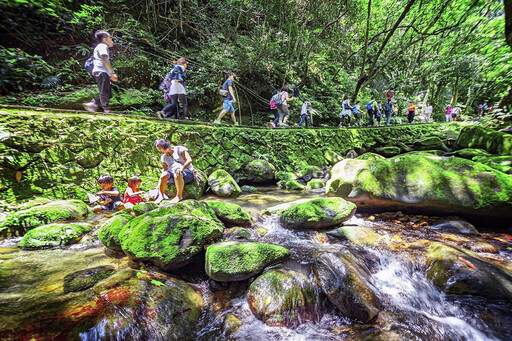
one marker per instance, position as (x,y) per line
(33,203)
(108,233)
(332,157)
(370,156)
(223,185)
(279,209)
(359,235)
(170,236)
(501,163)
(249,189)
(458,271)
(345,282)
(54,235)
(415,183)
(318,213)
(388,150)
(192,190)
(283,298)
(492,141)
(230,214)
(316,184)
(455,225)
(19,222)
(469,153)
(293,185)
(260,171)
(237,261)
(84,279)
(431,143)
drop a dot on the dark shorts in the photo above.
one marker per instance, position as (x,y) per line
(187,176)
(111,206)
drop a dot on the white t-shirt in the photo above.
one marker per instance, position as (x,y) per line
(176,160)
(428,109)
(304,109)
(99,66)
(346,103)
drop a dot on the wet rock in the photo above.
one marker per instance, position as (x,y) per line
(494,142)
(169,237)
(231,323)
(237,233)
(283,298)
(108,233)
(279,209)
(351,154)
(458,271)
(359,235)
(192,190)
(237,261)
(388,151)
(370,156)
(501,163)
(230,214)
(318,213)
(482,247)
(249,189)
(142,208)
(469,153)
(419,183)
(388,216)
(84,279)
(344,280)
(260,171)
(315,184)
(293,185)
(33,203)
(223,185)
(54,235)
(455,225)
(19,222)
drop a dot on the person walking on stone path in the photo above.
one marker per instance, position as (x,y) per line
(102,72)
(177,169)
(410,112)
(306,106)
(357,112)
(455,113)
(282,106)
(449,113)
(174,87)
(273,108)
(428,112)
(229,99)
(346,112)
(388,111)
(371,109)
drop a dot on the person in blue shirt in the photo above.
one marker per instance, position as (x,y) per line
(174,87)
(228,100)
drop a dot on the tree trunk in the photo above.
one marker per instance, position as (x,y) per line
(455,92)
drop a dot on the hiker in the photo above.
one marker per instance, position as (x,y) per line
(357,112)
(455,113)
(410,112)
(282,105)
(273,108)
(177,169)
(102,72)
(174,86)
(448,113)
(306,106)
(388,111)
(484,109)
(378,114)
(346,112)
(371,109)
(479,110)
(428,112)
(228,99)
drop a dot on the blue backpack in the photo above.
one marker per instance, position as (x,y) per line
(369,105)
(89,65)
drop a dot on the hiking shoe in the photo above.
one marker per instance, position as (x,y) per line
(272,125)
(91,106)
(160,114)
(107,112)
(216,122)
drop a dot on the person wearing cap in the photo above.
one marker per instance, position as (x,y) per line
(449,113)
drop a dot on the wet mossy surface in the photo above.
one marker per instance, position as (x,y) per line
(53,235)
(230,214)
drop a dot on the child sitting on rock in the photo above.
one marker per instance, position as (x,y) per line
(132,194)
(110,200)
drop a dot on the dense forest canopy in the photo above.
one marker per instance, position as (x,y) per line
(438,51)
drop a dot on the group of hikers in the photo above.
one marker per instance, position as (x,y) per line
(281,102)
(177,168)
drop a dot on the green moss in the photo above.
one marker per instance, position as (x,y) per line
(21,221)
(236,261)
(108,233)
(293,185)
(370,156)
(230,214)
(318,213)
(53,235)
(223,184)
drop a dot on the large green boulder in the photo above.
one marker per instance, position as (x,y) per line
(293,185)
(237,261)
(54,235)
(192,190)
(501,163)
(230,214)
(458,271)
(279,209)
(431,143)
(170,236)
(470,153)
(283,298)
(260,171)
(223,185)
(359,235)
(495,142)
(19,222)
(440,185)
(315,184)
(108,233)
(344,280)
(318,213)
(370,156)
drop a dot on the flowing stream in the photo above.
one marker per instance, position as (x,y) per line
(413,308)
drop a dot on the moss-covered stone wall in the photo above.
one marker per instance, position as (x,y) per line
(60,154)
